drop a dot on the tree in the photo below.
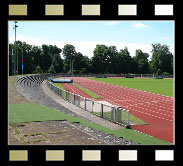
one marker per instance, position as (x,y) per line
(100,59)
(11,58)
(113,65)
(35,54)
(47,55)
(52,69)
(36,59)
(69,53)
(162,59)
(46,58)
(80,62)
(142,62)
(37,70)
(124,61)
(28,59)
(57,62)
(54,50)
(134,66)
(104,60)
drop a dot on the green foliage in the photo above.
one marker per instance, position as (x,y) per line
(165,73)
(142,61)
(57,62)
(124,61)
(105,59)
(52,69)
(69,52)
(36,59)
(38,70)
(80,62)
(162,59)
(83,71)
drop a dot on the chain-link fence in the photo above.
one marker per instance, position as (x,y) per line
(112,113)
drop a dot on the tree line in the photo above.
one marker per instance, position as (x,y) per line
(105,60)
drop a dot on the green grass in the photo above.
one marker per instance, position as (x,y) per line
(59,85)
(158,86)
(87,91)
(12,80)
(20,113)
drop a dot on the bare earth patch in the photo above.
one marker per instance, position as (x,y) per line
(49,133)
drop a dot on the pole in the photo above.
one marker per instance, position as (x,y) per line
(12,70)
(17,61)
(128,116)
(15,50)
(15,53)
(70,66)
(22,63)
(72,69)
(101,111)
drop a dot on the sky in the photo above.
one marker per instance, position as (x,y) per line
(84,35)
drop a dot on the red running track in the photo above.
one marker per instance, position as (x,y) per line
(71,88)
(156,110)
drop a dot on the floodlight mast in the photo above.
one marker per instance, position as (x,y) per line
(15,48)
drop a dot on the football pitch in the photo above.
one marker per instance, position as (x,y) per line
(158,86)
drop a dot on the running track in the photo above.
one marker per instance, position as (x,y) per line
(156,110)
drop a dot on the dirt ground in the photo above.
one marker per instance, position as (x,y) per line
(49,133)
(44,133)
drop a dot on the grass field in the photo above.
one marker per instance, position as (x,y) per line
(20,113)
(158,86)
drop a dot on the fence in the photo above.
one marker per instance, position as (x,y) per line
(109,75)
(112,113)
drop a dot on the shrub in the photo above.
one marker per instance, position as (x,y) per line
(52,69)
(38,70)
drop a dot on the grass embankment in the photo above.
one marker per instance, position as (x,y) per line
(158,86)
(87,91)
(12,80)
(20,113)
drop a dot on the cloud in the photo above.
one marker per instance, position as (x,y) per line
(112,23)
(27,39)
(87,47)
(140,25)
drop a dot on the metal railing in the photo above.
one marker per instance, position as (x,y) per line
(112,113)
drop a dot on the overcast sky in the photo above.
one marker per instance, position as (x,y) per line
(84,35)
